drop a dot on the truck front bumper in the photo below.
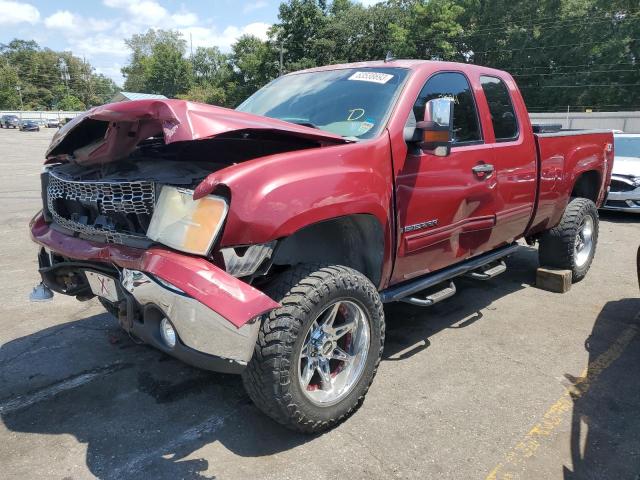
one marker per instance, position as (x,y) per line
(215,315)
(628,201)
(624,194)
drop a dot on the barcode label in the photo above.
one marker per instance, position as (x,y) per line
(375,77)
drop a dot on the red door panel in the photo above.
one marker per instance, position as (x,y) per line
(514,158)
(446,211)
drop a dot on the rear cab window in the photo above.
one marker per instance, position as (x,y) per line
(503,117)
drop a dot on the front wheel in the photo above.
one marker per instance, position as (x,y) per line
(317,354)
(571,245)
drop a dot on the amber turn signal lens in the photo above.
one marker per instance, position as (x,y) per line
(431,136)
(186,224)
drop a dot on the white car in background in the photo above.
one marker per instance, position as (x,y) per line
(624,193)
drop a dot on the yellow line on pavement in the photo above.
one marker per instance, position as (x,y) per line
(513,463)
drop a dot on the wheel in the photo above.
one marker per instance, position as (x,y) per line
(317,354)
(571,244)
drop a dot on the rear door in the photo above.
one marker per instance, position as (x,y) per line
(446,205)
(514,159)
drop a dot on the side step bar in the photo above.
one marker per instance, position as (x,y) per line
(489,272)
(435,297)
(406,289)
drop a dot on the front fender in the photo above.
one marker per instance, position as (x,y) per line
(275,196)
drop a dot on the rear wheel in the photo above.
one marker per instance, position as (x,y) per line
(571,245)
(317,354)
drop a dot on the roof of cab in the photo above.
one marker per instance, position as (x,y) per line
(408,64)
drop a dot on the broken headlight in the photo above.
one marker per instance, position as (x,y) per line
(185,224)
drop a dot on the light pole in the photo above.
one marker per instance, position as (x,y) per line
(19,89)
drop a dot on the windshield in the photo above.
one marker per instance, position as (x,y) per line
(627,146)
(352,102)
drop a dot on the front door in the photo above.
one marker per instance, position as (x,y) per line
(445,205)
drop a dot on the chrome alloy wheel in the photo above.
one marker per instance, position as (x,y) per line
(584,241)
(334,353)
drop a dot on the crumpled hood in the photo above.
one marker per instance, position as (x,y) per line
(626,166)
(90,139)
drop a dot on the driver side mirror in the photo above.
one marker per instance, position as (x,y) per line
(436,130)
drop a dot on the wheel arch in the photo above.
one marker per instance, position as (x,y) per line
(356,241)
(587,185)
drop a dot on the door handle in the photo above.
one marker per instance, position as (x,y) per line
(483,170)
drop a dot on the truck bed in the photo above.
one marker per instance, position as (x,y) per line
(561,161)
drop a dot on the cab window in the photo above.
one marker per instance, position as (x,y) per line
(503,118)
(466,127)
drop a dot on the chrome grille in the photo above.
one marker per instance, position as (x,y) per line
(113,210)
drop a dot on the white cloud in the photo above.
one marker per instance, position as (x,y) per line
(256,5)
(60,19)
(113,72)
(369,3)
(74,26)
(209,37)
(257,29)
(95,46)
(101,40)
(184,19)
(18,12)
(152,14)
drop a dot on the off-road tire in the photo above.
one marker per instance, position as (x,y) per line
(271,378)
(557,246)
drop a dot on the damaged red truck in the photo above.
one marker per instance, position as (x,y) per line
(265,240)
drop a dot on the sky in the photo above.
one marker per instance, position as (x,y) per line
(96,29)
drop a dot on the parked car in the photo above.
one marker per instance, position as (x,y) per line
(9,121)
(29,126)
(53,123)
(624,193)
(265,240)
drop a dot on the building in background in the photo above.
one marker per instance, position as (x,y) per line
(126,96)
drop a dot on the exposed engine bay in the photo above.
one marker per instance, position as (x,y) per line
(114,201)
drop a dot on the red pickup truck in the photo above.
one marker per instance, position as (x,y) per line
(265,240)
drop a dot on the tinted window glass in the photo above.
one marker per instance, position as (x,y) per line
(465,117)
(349,102)
(505,124)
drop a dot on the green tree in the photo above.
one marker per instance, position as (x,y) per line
(429,30)
(206,93)
(137,73)
(211,66)
(254,64)
(9,96)
(169,72)
(45,77)
(71,102)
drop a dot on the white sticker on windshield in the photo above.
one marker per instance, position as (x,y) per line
(375,77)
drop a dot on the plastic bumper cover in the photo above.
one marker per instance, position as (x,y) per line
(213,313)
(628,201)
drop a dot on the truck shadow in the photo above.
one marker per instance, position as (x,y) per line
(139,412)
(618,217)
(409,327)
